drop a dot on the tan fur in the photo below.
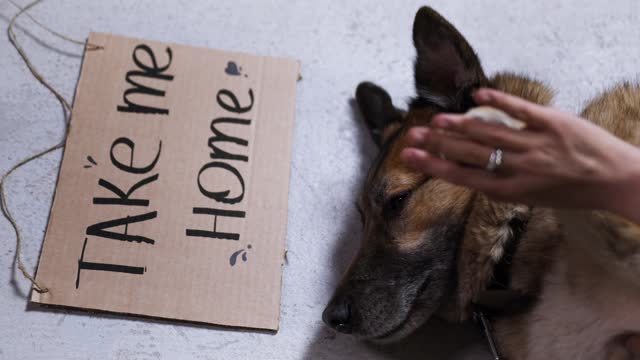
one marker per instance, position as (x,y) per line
(488,229)
(576,270)
(417,221)
(528,89)
(618,111)
(591,295)
(437,252)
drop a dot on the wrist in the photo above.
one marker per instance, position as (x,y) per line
(623,197)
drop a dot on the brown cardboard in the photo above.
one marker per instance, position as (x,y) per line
(167,262)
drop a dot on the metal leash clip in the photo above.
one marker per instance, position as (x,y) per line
(479,317)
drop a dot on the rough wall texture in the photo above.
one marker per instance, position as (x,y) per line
(579,47)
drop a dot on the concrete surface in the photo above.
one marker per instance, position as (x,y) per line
(579,47)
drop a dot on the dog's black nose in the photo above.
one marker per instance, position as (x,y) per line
(338,315)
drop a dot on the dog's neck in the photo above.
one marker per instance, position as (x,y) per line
(491,240)
(499,298)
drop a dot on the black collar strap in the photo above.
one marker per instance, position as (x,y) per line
(498,295)
(498,298)
(502,270)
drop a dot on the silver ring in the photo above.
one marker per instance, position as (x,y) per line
(495,160)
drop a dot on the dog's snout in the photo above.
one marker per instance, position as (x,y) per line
(338,315)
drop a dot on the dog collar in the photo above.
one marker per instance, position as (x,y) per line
(498,298)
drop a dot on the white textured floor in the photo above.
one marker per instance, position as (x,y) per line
(579,47)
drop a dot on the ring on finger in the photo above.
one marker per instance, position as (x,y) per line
(495,160)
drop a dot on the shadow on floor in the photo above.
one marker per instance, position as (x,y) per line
(436,340)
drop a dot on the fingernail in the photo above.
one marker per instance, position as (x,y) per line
(412,155)
(441,121)
(482,95)
(417,136)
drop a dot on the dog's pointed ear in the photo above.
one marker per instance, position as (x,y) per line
(447,69)
(377,109)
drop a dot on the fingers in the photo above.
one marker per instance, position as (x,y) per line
(450,146)
(633,344)
(481,180)
(534,115)
(492,135)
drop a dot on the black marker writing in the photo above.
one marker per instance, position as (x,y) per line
(145,71)
(222,162)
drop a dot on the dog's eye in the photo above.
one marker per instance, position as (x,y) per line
(395,204)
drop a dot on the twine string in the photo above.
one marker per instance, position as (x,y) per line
(38,286)
(55,33)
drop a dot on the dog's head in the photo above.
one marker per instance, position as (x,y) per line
(413,225)
(429,246)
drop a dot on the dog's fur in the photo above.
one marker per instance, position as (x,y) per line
(431,248)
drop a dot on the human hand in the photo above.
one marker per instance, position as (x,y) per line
(633,344)
(558,160)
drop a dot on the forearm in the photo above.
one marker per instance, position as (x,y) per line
(625,194)
(629,207)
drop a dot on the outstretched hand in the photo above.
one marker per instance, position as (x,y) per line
(558,160)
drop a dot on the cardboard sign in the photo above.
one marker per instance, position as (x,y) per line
(172,195)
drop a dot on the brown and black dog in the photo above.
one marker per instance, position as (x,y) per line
(431,248)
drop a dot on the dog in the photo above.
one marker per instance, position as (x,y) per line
(544,278)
